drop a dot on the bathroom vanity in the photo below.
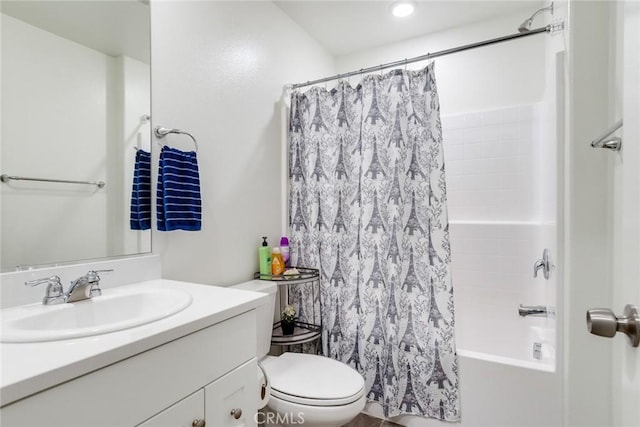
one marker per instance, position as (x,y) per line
(194,367)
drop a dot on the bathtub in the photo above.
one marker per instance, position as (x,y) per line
(497,391)
(508,370)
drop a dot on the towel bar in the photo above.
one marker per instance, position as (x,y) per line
(7,178)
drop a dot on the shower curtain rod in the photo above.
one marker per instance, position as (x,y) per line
(547,29)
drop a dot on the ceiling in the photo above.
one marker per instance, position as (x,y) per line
(344,27)
(111,27)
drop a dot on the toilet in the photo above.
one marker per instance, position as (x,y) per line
(303,389)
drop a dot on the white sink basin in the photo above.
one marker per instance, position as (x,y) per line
(115,310)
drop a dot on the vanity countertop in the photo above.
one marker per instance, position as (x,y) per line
(28,368)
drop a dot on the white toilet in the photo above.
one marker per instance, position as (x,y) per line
(305,389)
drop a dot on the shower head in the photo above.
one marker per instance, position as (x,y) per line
(526,25)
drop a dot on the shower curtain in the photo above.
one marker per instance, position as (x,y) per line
(368,208)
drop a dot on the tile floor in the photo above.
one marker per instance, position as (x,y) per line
(364,420)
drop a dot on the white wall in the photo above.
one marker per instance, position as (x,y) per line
(502,75)
(218,72)
(54,100)
(587,276)
(626,217)
(131,101)
(491,162)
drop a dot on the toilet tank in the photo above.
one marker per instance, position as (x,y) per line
(264,313)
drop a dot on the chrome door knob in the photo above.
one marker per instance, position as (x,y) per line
(603,322)
(236,413)
(198,423)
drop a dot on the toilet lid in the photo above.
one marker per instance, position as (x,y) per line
(313,380)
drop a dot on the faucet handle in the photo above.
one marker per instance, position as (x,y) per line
(49,280)
(94,273)
(92,277)
(543,264)
(54,293)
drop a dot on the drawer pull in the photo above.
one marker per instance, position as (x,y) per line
(198,423)
(236,413)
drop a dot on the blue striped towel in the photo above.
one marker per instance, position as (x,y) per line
(140,218)
(178,196)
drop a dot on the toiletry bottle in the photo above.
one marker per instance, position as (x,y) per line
(264,256)
(284,249)
(277,263)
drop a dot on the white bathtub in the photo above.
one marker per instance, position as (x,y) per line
(502,384)
(497,391)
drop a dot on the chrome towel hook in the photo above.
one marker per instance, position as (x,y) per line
(161,132)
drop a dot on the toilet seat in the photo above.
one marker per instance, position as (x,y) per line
(313,380)
(316,402)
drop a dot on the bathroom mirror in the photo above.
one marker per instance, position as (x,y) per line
(75,107)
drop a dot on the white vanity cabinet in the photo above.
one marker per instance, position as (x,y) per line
(209,374)
(227,402)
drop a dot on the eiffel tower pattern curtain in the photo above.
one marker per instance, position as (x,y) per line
(368,207)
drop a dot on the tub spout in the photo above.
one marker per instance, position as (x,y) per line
(536,311)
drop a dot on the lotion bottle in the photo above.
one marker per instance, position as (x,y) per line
(284,249)
(264,256)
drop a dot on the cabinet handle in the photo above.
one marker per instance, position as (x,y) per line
(236,413)
(198,423)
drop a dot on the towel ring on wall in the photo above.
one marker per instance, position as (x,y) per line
(161,132)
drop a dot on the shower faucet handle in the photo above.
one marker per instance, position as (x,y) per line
(544,264)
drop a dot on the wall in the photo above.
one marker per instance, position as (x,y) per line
(626,215)
(218,72)
(131,101)
(587,359)
(492,77)
(37,68)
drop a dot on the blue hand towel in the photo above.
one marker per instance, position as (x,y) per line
(140,218)
(178,195)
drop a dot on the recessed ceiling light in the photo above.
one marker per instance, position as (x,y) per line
(403,8)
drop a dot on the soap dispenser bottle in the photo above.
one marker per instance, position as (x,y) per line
(264,256)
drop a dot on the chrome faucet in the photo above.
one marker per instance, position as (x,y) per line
(54,293)
(536,311)
(85,287)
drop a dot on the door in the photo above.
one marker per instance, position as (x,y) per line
(189,412)
(626,253)
(231,401)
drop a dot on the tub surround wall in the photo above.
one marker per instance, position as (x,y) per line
(498,229)
(218,72)
(492,165)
